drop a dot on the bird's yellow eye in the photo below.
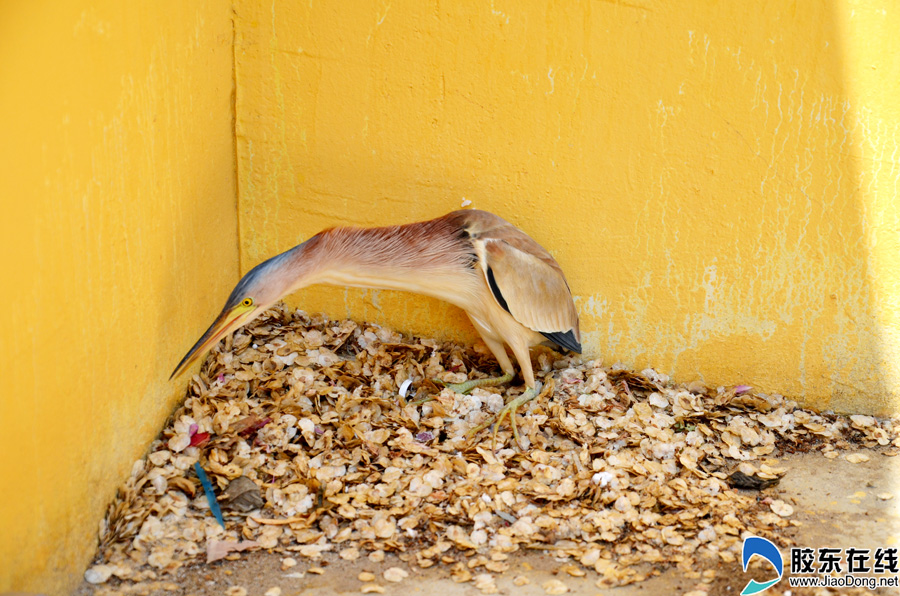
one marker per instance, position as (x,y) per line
(247,302)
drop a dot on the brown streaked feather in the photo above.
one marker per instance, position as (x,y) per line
(529,281)
(428,245)
(536,292)
(435,258)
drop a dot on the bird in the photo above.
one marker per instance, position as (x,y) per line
(513,291)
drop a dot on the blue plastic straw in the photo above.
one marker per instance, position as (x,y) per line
(210,495)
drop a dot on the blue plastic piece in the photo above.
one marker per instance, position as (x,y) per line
(210,495)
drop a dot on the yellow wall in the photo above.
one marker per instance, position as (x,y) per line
(718,180)
(119,224)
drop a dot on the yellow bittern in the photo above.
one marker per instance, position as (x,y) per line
(513,291)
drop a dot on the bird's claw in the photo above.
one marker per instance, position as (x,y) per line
(423,400)
(510,410)
(471,384)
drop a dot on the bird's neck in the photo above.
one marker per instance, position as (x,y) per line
(431,258)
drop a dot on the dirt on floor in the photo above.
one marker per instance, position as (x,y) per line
(837,504)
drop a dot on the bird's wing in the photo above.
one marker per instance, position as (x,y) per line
(529,284)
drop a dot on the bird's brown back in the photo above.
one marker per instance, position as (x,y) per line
(524,277)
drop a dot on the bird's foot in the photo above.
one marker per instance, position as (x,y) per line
(419,402)
(510,410)
(467,386)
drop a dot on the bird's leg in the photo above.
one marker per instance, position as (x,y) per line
(499,352)
(467,386)
(533,389)
(508,410)
(511,409)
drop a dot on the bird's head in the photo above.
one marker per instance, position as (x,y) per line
(263,285)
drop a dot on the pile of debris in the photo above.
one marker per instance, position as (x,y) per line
(300,424)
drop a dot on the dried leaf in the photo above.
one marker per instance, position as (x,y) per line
(856,458)
(219,549)
(554,586)
(242,494)
(395,574)
(98,574)
(740,480)
(781,508)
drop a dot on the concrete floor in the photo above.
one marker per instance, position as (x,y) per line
(836,502)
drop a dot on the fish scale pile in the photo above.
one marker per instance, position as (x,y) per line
(624,473)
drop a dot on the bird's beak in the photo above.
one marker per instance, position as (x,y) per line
(225,323)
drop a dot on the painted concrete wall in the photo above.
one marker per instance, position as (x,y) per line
(718,181)
(119,226)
